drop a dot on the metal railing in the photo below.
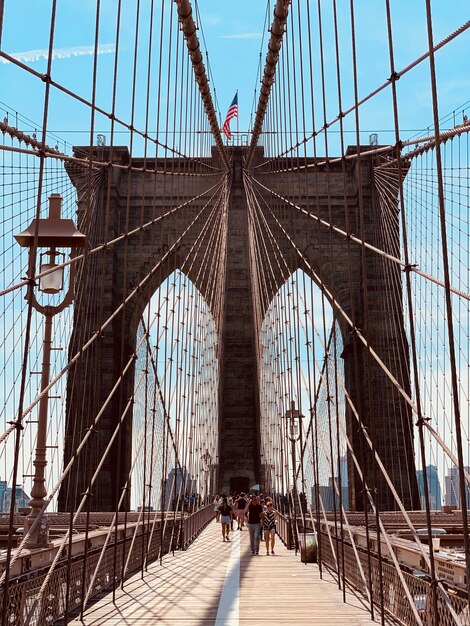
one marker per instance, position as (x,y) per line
(193,524)
(387,584)
(387,587)
(284,530)
(98,573)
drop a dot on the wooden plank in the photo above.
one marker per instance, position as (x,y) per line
(187,588)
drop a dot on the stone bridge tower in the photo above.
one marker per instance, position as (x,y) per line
(356,284)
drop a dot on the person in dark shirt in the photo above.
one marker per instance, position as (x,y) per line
(254,514)
(240,507)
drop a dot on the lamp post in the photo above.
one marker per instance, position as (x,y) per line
(51,233)
(293,424)
(205,464)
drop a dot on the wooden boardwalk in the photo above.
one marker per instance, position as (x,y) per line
(222,584)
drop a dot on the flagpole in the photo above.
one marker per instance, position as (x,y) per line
(238,118)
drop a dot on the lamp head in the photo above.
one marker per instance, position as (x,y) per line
(53,232)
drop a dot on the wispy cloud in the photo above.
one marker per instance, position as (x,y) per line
(242,36)
(212,20)
(31,56)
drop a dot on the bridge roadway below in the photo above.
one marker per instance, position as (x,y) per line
(216,583)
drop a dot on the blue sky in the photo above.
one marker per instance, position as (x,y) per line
(234,36)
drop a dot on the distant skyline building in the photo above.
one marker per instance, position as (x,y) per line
(21,498)
(452,487)
(434,488)
(179,483)
(343,464)
(325,493)
(3,488)
(328,493)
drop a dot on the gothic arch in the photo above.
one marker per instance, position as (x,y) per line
(330,195)
(130,270)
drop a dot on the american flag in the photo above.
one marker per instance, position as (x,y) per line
(232,112)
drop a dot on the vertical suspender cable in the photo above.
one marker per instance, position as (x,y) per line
(31,273)
(277,30)
(450,324)
(411,320)
(189,30)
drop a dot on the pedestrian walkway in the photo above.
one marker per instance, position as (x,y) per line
(216,583)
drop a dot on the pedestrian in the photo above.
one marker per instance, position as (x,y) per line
(216,505)
(263,504)
(254,514)
(230,501)
(269,525)
(226,513)
(240,507)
